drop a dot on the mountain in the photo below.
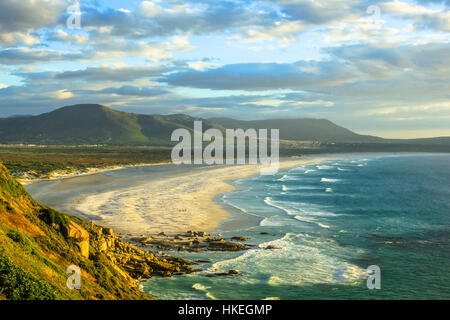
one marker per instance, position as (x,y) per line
(300,129)
(93,124)
(97,124)
(38,244)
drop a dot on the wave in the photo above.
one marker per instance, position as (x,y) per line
(306,214)
(302,260)
(273,221)
(269,201)
(200,287)
(293,188)
(329,180)
(231,204)
(324,167)
(302,219)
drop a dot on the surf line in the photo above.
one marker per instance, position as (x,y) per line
(214,152)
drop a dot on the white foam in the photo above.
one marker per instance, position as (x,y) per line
(324,167)
(272,222)
(299,218)
(329,190)
(200,287)
(269,201)
(301,260)
(329,180)
(325,226)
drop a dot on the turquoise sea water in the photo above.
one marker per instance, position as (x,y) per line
(332,220)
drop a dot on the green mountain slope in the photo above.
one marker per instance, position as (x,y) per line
(300,129)
(96,124)
(92,124)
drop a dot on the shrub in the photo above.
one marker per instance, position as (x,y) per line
(51,216)
(24,241)
(17,284)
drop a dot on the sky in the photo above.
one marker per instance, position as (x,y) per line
(375,67)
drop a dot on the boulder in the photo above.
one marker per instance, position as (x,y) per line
(108,231)
(73,230)
(239,238)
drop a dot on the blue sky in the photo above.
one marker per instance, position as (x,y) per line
(376,67)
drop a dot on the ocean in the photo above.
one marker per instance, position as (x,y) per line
(330,222)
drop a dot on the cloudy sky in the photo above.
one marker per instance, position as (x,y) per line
(376,67)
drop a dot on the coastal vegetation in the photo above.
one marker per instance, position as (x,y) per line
(38,243)
(42,161)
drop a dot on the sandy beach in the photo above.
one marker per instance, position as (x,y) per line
(26,179)
(171,205)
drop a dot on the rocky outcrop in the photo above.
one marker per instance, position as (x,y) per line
(192,241)
(81,236)
(140,264)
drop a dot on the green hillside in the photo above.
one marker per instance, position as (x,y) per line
(300,129)
(97,124)
(92,124)
(38,243)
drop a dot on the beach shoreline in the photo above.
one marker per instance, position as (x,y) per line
(173,204)
(56,176)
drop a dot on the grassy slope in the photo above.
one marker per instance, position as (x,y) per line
(94,124)
(300,129)
(34,256)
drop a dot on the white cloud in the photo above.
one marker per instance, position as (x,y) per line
(62,94)
(202,65)
(421,16)
(411,110)
(284,31)
(70,38)
(11,38)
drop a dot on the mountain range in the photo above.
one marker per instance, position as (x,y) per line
(88,124)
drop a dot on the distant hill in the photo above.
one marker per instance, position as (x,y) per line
(301,129)
(93,124)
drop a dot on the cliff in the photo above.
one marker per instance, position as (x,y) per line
(38,244)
